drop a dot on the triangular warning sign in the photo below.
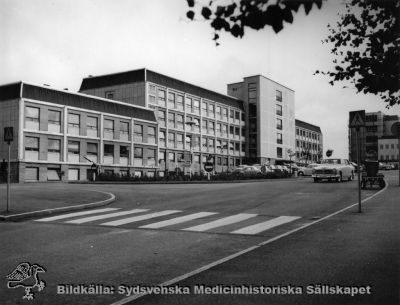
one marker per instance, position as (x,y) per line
(357,121)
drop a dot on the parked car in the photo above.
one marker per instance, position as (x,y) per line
(334,169)
(307,171)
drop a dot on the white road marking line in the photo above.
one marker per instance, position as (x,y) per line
(76,214)
(138,218)
(93,218)
(220,222)
(240,253)
(266,225)
(176,220)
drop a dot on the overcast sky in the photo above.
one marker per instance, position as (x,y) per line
(58,42)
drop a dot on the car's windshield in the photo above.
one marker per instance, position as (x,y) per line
(331,161)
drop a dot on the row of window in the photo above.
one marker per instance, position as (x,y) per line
(192,142)
(32,122)
(195,158)
(307,145)
(387,157)
(92,152)
(191,105)
(386,146)
(308,134)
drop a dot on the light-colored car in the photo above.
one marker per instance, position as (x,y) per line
(307,171)
(334,169)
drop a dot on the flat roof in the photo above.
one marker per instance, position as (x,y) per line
(259,75)
(74,99)
(306,125)
(143,75)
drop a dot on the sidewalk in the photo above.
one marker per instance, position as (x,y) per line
(348,249)
(28,200)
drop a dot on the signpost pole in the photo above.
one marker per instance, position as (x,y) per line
(358,167)
(398,144)
(8,175)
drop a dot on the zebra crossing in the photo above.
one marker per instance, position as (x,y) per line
(208,222)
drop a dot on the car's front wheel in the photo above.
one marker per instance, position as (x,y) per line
(300,173)
(351,177)
(316,180)
(339,179)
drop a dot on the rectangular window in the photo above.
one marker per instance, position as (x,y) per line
(151,135)
(179,102)
(204,108)
(211,145)
(32,148)
(279,152)
(171,100)
(171,140)
(218,129)
(92,152)
(231,131)
(211,110)
(196,106)
(225,114)
(279,138)
(196,126)
(179,121)
(188,103)
(232,115)
(32,118)
(108,129)
(161,98)
(279,124)
(162,138)
(52,174)
(252,92)
(138,133)
(171,120)
(32,174)
(278,95)
(91,126)
(108,154)
(219,117)
(54,150)
(179,141)
(180,157)
(124,131)
(152,89)
(73,151)
(161,118)
(54,121)
(211,128)
(204,144)
(109,95)
(151,157)
(123,155)
(73,123)
(138,156)
(204,126)
(196,159)
(279,109)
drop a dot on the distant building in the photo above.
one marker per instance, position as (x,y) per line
(388,149)
(270,118)
(309,142)
(377,125)
(58,135)
(194,123)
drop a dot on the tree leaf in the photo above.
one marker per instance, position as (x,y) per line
(190,15)
(206,12)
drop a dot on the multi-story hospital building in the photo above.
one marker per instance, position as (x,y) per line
(143,123)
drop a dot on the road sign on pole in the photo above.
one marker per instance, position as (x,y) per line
(8,137)
(357,120)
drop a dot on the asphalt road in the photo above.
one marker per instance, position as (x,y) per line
(109,253)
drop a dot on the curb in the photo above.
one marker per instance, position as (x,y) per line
(84,206)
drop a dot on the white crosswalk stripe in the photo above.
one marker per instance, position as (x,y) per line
(139,218)
(176,220)
(76,214)
(266,225)
(221,222)
(105,216)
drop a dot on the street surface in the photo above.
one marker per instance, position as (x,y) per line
(155,233)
